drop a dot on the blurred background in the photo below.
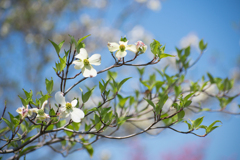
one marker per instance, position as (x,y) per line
(27,58)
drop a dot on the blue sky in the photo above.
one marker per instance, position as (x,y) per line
(212,21)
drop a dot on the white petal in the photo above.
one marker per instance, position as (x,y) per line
(95,59)
(120,54)
(59,98)
(35,110)
(44,104)
(54,108)
(78,64)
(74,103)
(132,48)
(89,71)
(19,110)
(62,109)
(82,55)
(124,43)
(77,115)
(68,119)
(112,46)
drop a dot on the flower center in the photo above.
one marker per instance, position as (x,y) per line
(122,48)
(86,62)
(68,106)
(41,112)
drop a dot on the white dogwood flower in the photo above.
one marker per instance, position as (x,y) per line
(86,63)
(69,110)
(121,48)
(24,112)
(41,115)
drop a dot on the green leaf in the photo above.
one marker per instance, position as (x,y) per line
(197,122)
(112,75)
(187,51)
(49,85)
(122,101)
(26,149)
(164,55)
(212,127)
(210,78)
(179,52)
(28,94)
(87,95)
(141,70)
(205,109)
(24,102)
(30,128)
(177,90)
(73,40)
(187,97)
(44,98)
(161,102)
(4,130)
(76,126)
(68,132)
(189,125)
(61,123)
(89,147)
(50,127)
(155,47)
(81,39)
(10,125)
(202,46)
(150,102)
(122,120)
(122,82)
(57,47)
(14,120)
(181,115)
(188,103)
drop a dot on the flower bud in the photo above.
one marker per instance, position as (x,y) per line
(141,47)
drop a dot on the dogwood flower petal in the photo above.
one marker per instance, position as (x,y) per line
(77,115)
(74,103)
(60,98)
(120,54)
(24,112)
(82,55)
(89,71)
(131,48)
(112,46)
(95,59)
(44,104)
(42,117)
(123,43)
(78,64)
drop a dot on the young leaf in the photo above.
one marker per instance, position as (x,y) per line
(164,55)
(10,125)
(197,122)
(87,95)
(155,47)
(212,127)
(49,85)
(211,78)
(181,115)
(202,46)
(189,125)
(150,102)
(57,47)
(122,82)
